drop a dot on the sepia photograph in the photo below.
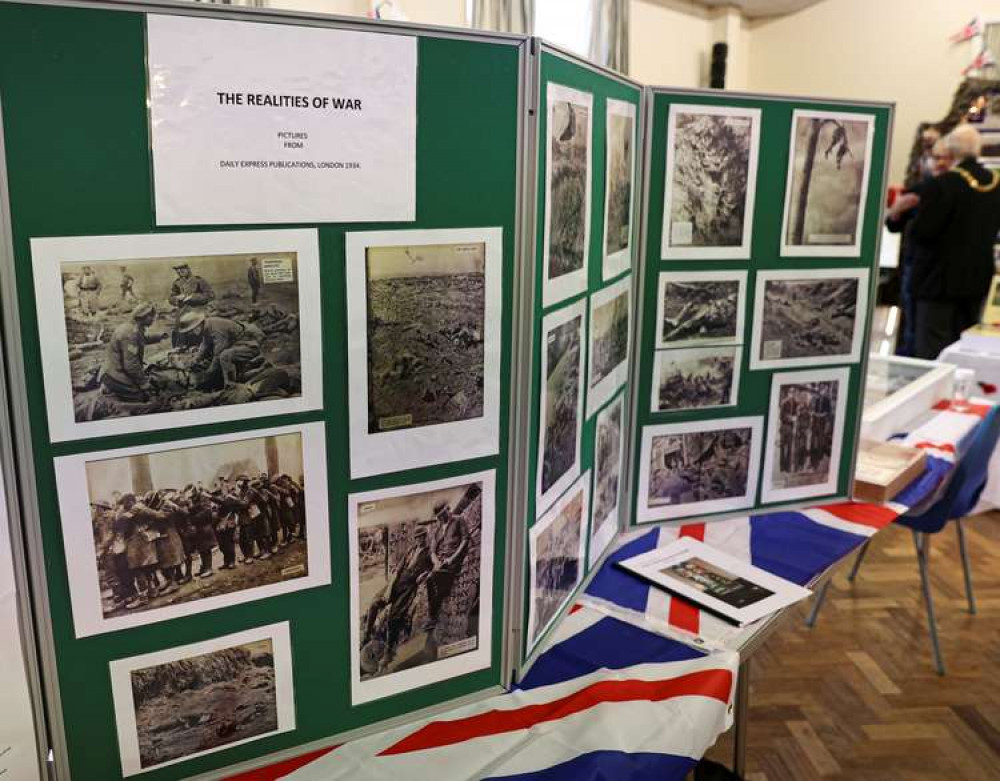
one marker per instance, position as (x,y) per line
(805,433)
(153,533)
(556,558)
(699,467)
(700,308)
(827,188)
(696,378)
(193,700)
(608,449)
(567,192)
(162,330)
(423,310)
(561,404)
(610,329)
(619,196)
(808,318)
(711,176)
(421,559)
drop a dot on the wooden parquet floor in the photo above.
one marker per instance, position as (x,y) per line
(857,698)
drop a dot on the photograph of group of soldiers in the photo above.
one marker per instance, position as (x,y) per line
(805,433)
(699,466)
(164,334)
(181,525)
(693,311)
(695,377)
(418,578)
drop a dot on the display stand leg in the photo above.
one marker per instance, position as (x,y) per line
(740,719)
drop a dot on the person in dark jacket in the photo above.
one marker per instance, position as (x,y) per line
(956,228)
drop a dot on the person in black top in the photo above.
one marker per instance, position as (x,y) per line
(956,228)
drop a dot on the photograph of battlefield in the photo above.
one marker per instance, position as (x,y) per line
(204,702)
(560,404)
(716,582)
(618,229)
(808,318)
(700,311)
(711,169)
(806,425)
(167,334)
(569,132)
(418,578)
(557,562)
(610,334)
(607,457)
(177,526)
(699,466)
(696,377)
(426,320)
(828,172)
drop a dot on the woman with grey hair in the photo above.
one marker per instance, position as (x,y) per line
(956,228)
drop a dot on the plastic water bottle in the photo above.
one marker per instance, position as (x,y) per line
(962,389)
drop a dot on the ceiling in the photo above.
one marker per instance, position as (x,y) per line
(755,9)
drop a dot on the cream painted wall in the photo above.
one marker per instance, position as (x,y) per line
(895,50)
(669,42)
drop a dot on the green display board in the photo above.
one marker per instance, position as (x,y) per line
(754,386)
(77,157)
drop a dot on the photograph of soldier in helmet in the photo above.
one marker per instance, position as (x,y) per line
(180,525)
(155,335)
(418,579)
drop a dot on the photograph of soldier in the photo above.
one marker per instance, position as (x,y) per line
(556,553)
(568,203)
(696,311)
(716,582)
(561,401)
(696,377)
(609,328)
(607,465)
(808,318)
(166,524)
(699,466)
(168,334)
(419,577)
(806,426)
(426,317)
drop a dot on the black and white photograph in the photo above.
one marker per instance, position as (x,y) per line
(608,449)
(619,196)
(805,433)
(700,308)
(561,404)
(421,575)
(711,175)
(829,165)
(423,347)
(699,467)
(193,700)
(567,192)
(696,378)
(808,318)
(153,533)
(610,329)
(556,558)
(163,330)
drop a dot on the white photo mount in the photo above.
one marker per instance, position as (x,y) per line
(574,282)
(720,583)
(808,275)
(660,356)
(646,513)
(441,669)
(620,261)
(602,530)
(410,448)
(674,251)
(769,492)
(599,391)
(48,254)
(694,277)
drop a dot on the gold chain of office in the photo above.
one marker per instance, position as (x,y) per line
(975,184)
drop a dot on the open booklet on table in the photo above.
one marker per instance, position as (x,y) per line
(721,584)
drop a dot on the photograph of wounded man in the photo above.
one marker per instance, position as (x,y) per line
(418,578)
(167,334)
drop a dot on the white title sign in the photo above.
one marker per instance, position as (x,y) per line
(267,123)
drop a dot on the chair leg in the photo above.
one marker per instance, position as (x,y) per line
(922,543)
(817,604)
(857,561)
(966,566)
